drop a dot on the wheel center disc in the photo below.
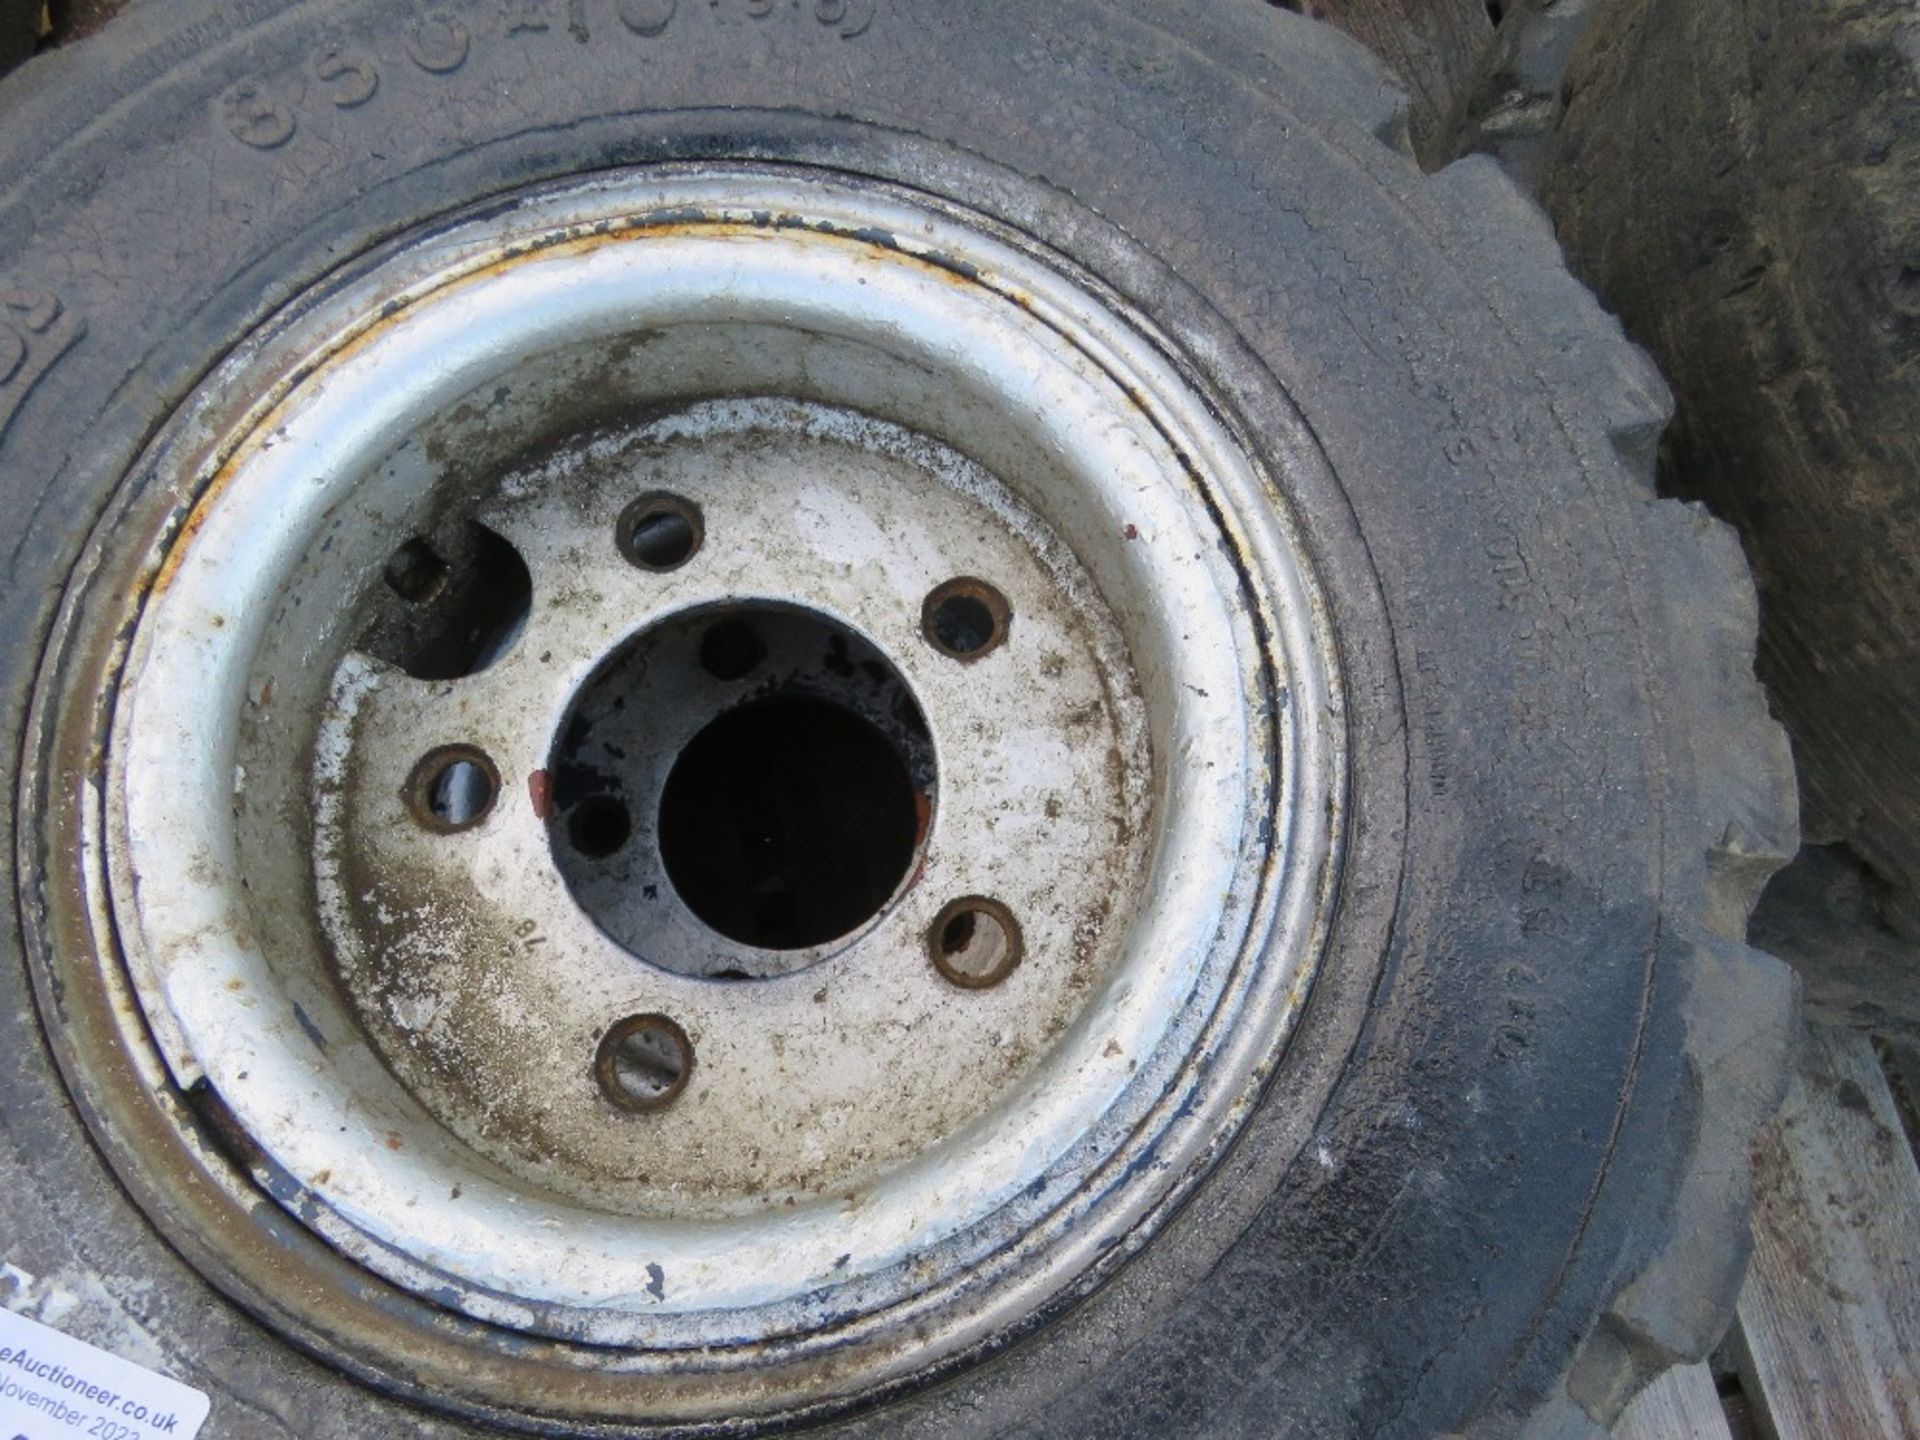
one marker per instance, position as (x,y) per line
(725,762)
(784,819)
(783,775)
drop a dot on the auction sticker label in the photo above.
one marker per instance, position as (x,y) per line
(53,1387)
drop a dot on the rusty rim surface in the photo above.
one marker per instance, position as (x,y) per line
(477,556)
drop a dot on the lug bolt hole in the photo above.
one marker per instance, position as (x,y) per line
(416,572)
(599,826)
(732,650)
(453,788)
(644,1063)
(975,943)
(965,619)
(660,532)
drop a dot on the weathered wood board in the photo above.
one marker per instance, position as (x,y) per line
(1830,1319)
(1683,1404)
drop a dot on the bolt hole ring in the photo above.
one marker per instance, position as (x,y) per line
(660,532)
(452,789)
(644,1063)
(966,619)
(975,943)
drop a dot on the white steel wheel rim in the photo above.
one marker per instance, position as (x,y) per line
(1058,413)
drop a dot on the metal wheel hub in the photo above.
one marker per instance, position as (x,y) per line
(487,960)
(723,760)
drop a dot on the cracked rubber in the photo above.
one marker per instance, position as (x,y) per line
(1499,1178)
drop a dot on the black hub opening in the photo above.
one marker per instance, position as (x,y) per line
(788,823)
(765,765)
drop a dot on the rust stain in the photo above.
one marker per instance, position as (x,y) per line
(1132,532)
(394,1142)
(922,823)
(540,791)
(182,539)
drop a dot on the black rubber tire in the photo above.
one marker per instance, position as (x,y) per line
(1500,1178)
(1741,180)
(1511,106)
(19,31)
(1434,46)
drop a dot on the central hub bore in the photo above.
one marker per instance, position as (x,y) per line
(788,822)
(760,767)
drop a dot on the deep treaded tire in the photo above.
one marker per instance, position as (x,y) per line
(1742,182)
(1498,1178)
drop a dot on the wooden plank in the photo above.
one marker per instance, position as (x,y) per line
(1830,1318)
(1683,1404)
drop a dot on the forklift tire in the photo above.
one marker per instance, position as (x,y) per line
(1445,797)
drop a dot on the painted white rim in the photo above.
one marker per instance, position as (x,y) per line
(1183,541)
